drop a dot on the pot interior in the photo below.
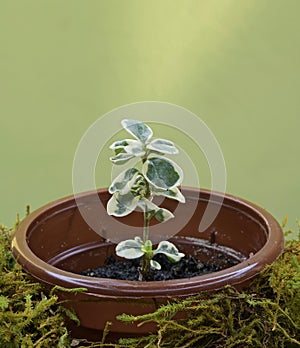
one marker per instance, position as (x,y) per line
(62,237)
(93,255)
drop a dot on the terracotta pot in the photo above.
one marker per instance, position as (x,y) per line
(54,243)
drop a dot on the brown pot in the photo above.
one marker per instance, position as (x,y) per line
(55,242)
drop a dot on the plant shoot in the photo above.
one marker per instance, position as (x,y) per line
(154,175)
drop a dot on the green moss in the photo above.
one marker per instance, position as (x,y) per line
(28,316)
(264,315)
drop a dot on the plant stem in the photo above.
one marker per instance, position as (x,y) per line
(146,266)
(147,217)
(146,257)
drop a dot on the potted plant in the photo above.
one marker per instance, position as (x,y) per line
(55,243)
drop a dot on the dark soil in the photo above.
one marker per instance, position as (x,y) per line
(187,267)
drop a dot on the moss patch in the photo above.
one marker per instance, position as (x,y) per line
(28,316)
(264,315)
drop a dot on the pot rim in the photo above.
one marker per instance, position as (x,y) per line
(106,287)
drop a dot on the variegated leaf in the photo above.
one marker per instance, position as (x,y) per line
(135,148)
(163,146)
(170,250)
(123,181)
(147,205)
(155,265)
(161,214)
(162,173)
(120,144)
(138,129)
(173,193)
(121,158)
(121,205)
(130,249)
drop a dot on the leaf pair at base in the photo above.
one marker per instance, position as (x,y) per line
(135,248)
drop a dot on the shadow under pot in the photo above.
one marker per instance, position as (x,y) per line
(58,241)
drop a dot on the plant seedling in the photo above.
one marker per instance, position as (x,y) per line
(133,188)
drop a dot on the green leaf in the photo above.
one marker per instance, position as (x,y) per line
(170,250)
(119,150)
(123,181)
(173,193)
(121,205)
(138,129)
(130,249)
(162,172)
(155,265)
(163,146)
(121,158)
(147,247)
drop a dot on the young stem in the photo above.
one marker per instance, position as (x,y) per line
(147,218)
(146,265)
(147,256)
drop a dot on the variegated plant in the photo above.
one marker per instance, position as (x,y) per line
(155,175)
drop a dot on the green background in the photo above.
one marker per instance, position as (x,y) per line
(234,63)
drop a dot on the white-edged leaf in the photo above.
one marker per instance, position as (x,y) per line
(121,158)
(161,214)
(170,250)
(123,181)
(155,265)
(138,129)
(162,172)
(119,144)
(173,193)
(130,249)
(121,205)
(139,240)
(146,204)
(135,148)
(163,146)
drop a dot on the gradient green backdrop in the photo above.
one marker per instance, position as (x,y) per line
(234,63)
